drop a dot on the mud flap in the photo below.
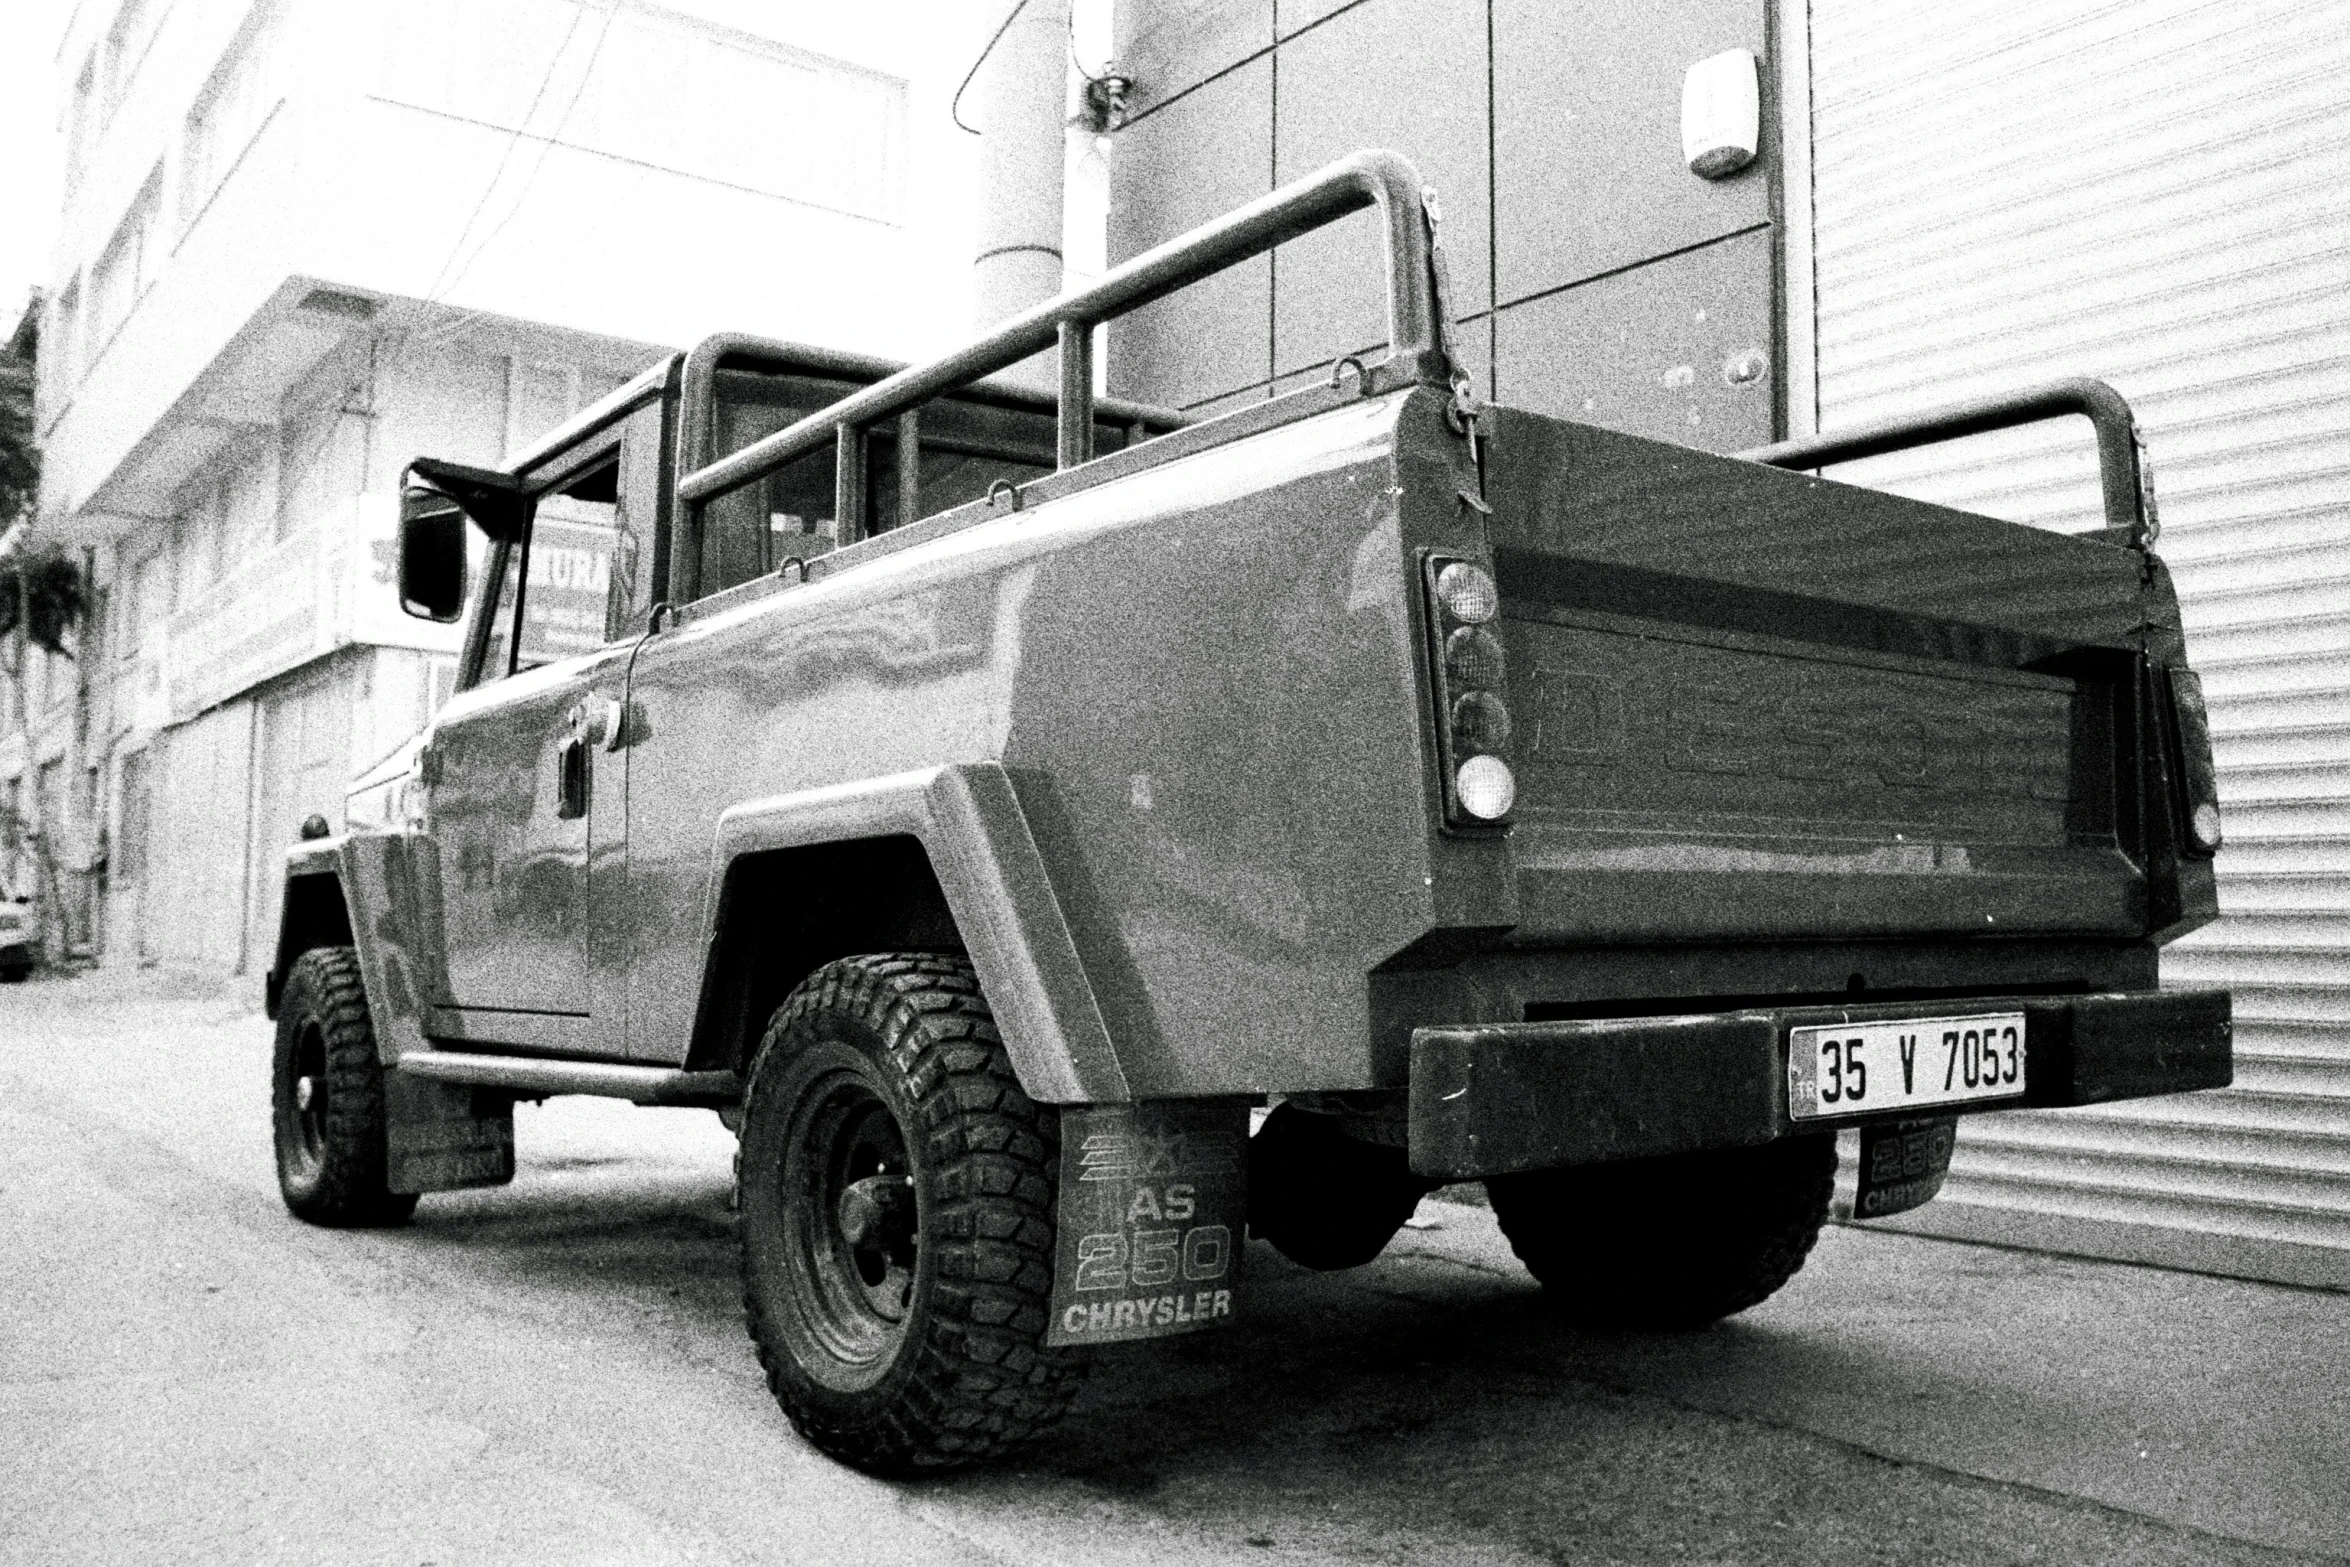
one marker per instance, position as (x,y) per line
(1152,1204)
(442,1137)
(1901,1165)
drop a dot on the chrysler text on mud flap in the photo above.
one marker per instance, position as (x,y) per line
(991,801)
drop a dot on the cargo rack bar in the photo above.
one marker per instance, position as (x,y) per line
(1415,328)
(2121,466)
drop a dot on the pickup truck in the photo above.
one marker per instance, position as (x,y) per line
(1064,840)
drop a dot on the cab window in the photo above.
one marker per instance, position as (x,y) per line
(752,531)
(554,597)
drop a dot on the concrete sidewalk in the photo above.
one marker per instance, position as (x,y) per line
(556,1372)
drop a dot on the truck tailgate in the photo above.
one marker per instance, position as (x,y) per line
(1752,704)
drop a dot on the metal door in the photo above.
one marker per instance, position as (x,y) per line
(514,776)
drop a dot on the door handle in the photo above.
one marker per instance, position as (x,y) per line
(571,778)
(593,721)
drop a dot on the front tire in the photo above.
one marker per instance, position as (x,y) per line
(1669,1243)
(896,1192)
(327,1098)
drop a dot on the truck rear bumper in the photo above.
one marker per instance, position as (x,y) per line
(1495,1098)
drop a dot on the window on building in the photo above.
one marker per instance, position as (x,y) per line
(124,267)
(145,600)
(12,827)
(57,680)
(62,349)
(248,509)
(125,46)
(229,515)
(658,89)
(130,847)
(322,459)
(486,62)
(48,798)
(81,114)
(196,543)
(236,101)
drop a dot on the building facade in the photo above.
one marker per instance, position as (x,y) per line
(1948,201)
(304,241)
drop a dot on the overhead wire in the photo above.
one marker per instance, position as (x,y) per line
(506,154)
(379,344)
(579,90)
(955,107)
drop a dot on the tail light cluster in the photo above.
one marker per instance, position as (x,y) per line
(2192,723)
(1470,682)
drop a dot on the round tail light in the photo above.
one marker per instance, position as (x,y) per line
(1487,788)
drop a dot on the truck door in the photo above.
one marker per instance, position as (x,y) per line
(514,778)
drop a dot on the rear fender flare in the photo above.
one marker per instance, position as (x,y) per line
(969,822)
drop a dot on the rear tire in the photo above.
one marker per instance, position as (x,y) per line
(1669,1243)
(896,1190)
(327,1098)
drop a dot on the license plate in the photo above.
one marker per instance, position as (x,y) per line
(1853,1068)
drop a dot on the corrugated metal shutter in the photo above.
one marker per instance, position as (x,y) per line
(2149,191)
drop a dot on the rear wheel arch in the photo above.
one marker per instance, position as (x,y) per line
(784,913)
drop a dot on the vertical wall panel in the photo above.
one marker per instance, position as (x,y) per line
(1587,138)
(1195,159)
(1674,350)
(1568,109)
(1346,85)
(2147,191)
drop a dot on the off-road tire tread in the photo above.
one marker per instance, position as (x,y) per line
(985,1379)
(351,1191)
(1673,1243)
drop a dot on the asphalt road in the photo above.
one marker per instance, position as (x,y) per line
(556,1372)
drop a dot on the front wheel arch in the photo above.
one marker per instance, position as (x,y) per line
(315,914)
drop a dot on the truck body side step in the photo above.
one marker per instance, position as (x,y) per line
(645,1085)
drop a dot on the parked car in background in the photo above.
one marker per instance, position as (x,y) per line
(16,936)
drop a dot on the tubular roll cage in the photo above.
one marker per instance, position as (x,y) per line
(1415,329)
(2121,453)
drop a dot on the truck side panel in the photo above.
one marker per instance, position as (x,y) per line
(1205,685)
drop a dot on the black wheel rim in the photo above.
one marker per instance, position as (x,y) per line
(851,1227)
(305,1101)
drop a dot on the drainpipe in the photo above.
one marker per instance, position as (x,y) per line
(1018,102)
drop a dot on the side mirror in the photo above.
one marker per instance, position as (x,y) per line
(436,498)
(432,554)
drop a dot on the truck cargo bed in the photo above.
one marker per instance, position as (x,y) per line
(1761,705)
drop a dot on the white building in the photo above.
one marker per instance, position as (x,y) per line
(306,240)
